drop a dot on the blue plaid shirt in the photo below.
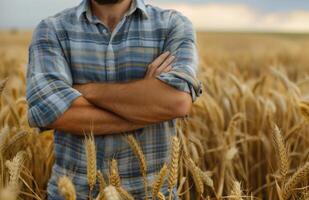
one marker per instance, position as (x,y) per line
(74,47)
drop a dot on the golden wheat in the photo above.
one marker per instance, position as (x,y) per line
(15,168)
(196,175)
(236,191)
(137,150)
(299,176)
(2,85)
(304,108)
(160,196)
(174,164)
(91,161)
(158,182)
(102,185)
(66,188)
(114,178)
(283,157)
(124,194)
(250,81)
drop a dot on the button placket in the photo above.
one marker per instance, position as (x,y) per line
(110,63)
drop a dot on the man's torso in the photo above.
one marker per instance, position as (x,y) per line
(94,54)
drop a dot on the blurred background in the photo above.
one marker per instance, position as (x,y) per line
(223,15)
(254,66)
(249,34)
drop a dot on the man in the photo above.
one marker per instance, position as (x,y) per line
(111,67)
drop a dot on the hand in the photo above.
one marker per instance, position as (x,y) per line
(159,65)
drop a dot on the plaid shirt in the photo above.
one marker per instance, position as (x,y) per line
(74,47)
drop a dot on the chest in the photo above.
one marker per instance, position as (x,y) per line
(97,55)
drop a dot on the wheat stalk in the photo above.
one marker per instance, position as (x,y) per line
(101,180)
(300,175)
(156,186)
(278,190)
(206,179)
(173,165)
(4,138)
(282,151)
(102,185)
(90,149)
(196,175)
(66,188)
(137,150)
(114,178)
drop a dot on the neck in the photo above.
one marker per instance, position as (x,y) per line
(110,14)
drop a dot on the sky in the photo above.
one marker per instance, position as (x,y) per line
(208,15)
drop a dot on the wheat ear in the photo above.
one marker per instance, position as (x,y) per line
(15,167)
(282,151)
(207,179)
(114,178)
(160,196)
(91,162)
(196,175)
(66,188)
(156,186)
(300,175)
(236,191)
(102,185)
(2,85)
(137,150)
(304,109)
(173,166)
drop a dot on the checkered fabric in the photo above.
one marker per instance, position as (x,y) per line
(74,47)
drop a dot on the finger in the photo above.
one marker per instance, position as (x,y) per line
(166,69)
(166,63)
(158,61)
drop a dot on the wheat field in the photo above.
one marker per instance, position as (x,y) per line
(245,138)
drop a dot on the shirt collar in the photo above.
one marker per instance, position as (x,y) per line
(84,8)
(140,4)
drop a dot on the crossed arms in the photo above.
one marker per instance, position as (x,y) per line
(166,92)
(113,108)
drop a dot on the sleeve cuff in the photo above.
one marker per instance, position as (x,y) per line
(183,82)
(48,111)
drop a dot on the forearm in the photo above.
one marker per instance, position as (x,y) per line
(83,117)
(142,101)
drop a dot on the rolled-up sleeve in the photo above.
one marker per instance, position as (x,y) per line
(181,42)
(49,80)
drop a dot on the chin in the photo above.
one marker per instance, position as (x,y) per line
(107,2)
